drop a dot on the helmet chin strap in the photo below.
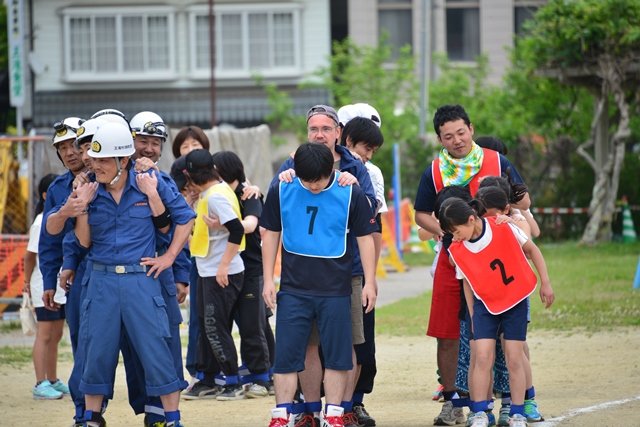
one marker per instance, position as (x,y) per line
(117,177)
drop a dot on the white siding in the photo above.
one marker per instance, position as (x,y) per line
(49,45)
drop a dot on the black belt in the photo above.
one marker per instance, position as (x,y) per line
(120,269)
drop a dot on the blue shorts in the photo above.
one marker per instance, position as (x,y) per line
(513,322)
(293,325)
(44,315)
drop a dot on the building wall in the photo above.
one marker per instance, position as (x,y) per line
(496,28)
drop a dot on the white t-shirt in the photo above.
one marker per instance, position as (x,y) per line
(219,207)
(483,241)
(377,181)
(36,277)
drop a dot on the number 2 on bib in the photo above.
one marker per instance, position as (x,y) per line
(497,263)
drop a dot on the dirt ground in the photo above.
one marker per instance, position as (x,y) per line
(572,371)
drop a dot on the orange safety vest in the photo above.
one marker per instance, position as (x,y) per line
(499,274)
(490,167)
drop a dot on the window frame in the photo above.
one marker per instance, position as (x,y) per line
(244,10)
(118,13)
(463,4)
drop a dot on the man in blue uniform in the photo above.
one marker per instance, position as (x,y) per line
(315,217)
(119,230)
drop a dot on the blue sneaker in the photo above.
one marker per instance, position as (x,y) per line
(60,386)
(531,411)
(44,391)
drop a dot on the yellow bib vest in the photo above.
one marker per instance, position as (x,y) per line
(200,240)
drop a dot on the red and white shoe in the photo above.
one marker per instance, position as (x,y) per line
(280,418)
(333,417)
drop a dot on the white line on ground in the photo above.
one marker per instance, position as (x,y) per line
(552,422)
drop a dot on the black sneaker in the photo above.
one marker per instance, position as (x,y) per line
(231,392)
(201,391)
(363,416)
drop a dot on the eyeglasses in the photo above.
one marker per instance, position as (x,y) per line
(323,130)
(153,128)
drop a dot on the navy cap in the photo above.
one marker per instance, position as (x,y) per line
(199,159)
(178,172)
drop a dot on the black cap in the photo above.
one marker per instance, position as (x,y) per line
(198,160)
(178,170)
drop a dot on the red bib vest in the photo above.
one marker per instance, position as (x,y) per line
(490,167)
(499,274)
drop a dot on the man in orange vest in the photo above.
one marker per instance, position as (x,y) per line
(460,162)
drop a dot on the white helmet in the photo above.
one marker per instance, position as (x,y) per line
(111,115)
(149,123)
(88,129)
(66,129)
(360,109)
(112,140)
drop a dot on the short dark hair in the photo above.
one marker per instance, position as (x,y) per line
(449,113)
(313,162)
(200,167)
(455,212)
(229,166)
(43,186)
(189,132)
(448,192)
(492,143)
(361,129)
(493,197)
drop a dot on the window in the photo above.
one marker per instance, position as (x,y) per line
(463,30)
(395,20)
(523,11)
(258,39)
(108,44)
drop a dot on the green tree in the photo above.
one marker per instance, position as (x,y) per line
(595,45)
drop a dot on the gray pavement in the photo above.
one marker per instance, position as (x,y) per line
(396,286)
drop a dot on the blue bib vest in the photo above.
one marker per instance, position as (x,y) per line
(315,225)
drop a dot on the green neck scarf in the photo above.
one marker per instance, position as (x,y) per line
(460,171)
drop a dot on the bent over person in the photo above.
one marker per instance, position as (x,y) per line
(124,294)
(315,216)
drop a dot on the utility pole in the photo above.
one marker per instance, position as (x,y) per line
(212,62)
(425,65)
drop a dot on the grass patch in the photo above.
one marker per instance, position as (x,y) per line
(593,287)
(15,356)
(10,326)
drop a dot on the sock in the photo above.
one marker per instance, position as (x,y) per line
(358,398)
(172,416)
(461,402)
(313,407)
(448,395)
(479,406)
(530,393)
(516,409)
(347,405)
(39,382)
(287,406)
(506,399)
(232,380)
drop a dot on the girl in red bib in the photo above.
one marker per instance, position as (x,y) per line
(492,260)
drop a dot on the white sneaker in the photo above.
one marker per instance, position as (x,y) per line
(449,415)
(256,390)
(517,420)
(479,419)
(333,417)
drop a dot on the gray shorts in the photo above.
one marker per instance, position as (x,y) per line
(357,327)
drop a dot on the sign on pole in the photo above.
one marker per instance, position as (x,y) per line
(15,20)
